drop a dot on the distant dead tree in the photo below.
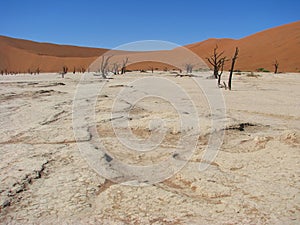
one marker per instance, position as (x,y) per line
(276,64)
(104,66)
(232,66)
(189,67)
(64,71)
(38,70)
(224,85)
(151,68)
(216,60)
(115,68)
(220,72)
(74,70)
(124,64)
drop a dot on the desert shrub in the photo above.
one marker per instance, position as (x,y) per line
(251,74)
(262,70)
(202,69)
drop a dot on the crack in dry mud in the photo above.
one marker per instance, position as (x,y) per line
(254,178)
(23,185)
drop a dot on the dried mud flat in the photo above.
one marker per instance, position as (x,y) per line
(255,178)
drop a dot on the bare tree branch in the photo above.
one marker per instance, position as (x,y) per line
(276,64)
(217,61)
(115,68)
(124,64)
(64,71)
(189,67)
(104,66)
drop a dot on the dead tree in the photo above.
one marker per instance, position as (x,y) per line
(104,66)
(232,66)
(38,70)
(189,68)
(124,64)
(216,60)
(276,64)
(224,84)
(65,70)
(151,68)
(115,68)
(82,69)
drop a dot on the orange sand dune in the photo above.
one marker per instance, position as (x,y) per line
(165,60)
(151,65)
(259,50)
(18,55)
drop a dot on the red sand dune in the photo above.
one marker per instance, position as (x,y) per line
(18,55)
(259,50)
(165,60)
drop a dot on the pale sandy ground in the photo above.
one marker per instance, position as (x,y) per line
(255,178)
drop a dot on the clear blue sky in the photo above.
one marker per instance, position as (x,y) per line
(98,23)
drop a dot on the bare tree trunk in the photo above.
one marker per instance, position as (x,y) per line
(219,80)
(216,72)
(123,69)
(232,67)
(65,70)
(276,64)
(115,68)
(189,68)
(222,68)
(151,68)
(225,86)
